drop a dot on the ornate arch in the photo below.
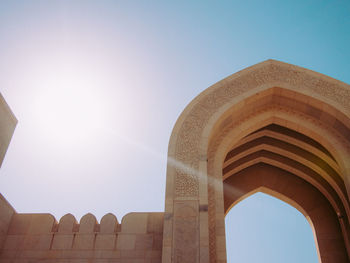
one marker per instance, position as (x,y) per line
(274,113)
(326,229)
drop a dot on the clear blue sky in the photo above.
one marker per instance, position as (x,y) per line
(98,85)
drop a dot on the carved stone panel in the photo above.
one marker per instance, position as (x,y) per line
(186,232)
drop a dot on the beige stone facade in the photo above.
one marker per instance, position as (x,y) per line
(273,127)
(39,238)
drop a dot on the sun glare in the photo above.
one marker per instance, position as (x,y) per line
(70,106)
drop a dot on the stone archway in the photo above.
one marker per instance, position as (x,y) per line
(269,117)
(297,192)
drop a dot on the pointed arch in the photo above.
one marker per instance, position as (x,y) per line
(303,196)
(282,115)
(283,198)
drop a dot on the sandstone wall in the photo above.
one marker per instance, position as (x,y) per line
(39,238)
(8,123)
(27,238)
(6,213)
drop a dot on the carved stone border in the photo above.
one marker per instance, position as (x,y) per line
(187,168)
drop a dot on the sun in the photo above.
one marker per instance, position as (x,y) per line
(70,106)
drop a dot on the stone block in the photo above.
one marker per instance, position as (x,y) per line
(186,230)
(114,261)
(6,212)
(77,253)
(155,223)
(32,255)
(154,254)
(87,224)
(144,242)
(9,254)
(126,241)
(19,224)
(84,241)
(108,254)
(166,254)
(157,242)
(14,242)
(134,260)
(22,224)
(37,242)
(80,261)
(108,224)
(221,255)
(41,223)
(135,254)
(100,261)
(168,229)
(62,241)
(135,223)
(221,243)
(105,241)
(204,255)
(66,224)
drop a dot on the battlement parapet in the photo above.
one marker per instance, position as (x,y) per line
(39,236)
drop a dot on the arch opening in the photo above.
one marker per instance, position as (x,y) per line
(286,127)
(281,136)
(296,192)
(277,231)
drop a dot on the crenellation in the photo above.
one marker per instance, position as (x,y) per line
(135,223)
(87,224)
(233,115)
(66,224)
(39,237)
(109,224)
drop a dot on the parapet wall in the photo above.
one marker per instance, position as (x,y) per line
(8,124)
(27,238)
(40,238)
(6,213)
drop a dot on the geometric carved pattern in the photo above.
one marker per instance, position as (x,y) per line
(218,139)
(275,72)
(199,119)
(186,185)
(213,148)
